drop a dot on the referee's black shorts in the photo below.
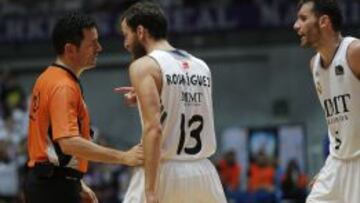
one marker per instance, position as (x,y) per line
(57,186)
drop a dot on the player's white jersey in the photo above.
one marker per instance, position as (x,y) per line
(186,106)
(339,93)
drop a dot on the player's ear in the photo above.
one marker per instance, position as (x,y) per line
(140,31)
(324,21)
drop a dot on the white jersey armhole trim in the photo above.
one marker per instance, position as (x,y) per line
(314,64)
(161,73)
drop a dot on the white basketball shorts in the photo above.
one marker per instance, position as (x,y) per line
(337,182)
(180,182)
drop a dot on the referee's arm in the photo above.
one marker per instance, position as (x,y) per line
(82,148)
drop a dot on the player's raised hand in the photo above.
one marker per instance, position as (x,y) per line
(129,95)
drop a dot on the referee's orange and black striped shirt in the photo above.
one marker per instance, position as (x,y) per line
(57,110)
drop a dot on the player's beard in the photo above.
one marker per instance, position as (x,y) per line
(138,50)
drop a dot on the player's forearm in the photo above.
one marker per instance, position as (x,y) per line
(152,142)
(82,148)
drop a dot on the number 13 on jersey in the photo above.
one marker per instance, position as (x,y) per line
(194,126)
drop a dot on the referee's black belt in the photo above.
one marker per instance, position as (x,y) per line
(49,170)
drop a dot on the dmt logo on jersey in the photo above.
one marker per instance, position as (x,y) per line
(339,70)
(336,105)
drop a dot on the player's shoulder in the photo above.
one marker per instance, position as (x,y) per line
(200,61)
(144,65)
(353,56)
(354,47)
(144,62)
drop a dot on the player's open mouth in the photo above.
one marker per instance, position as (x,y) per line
(301,36)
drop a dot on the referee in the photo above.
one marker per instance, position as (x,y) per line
(59,138)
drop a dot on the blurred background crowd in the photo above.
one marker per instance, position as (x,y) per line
(15,7)
(270,127)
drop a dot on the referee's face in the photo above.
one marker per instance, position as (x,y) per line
(89,48)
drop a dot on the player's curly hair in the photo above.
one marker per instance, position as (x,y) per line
(69,29)
(149,15)
(330,8)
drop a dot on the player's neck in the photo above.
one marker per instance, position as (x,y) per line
(328,48)
(159,44)
(68,65)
